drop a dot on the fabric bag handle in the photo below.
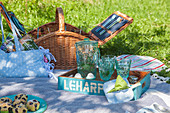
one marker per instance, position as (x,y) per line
(2,10)
(14,19)
(17,23)
(2,29)
(14,30)
(59,19)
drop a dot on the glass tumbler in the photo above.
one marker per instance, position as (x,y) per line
(123,67)
(105,68)
(112,61)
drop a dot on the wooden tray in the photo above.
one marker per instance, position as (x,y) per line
(95,87)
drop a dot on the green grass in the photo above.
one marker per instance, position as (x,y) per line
(148,35)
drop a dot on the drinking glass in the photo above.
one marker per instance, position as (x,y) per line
(112,61)
(105,68)
(123,67)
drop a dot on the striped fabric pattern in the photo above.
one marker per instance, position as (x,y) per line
(144,63)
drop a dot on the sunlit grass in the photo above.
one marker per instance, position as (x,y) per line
(148,35)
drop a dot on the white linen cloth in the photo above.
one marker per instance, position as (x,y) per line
(60,101)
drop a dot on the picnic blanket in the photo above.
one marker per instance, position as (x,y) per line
(60,101)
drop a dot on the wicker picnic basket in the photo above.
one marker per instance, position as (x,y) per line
(60,38)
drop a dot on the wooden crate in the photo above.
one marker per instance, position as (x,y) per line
(95,87)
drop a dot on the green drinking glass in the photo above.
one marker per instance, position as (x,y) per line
(105,68)
(123,67)
(112,61)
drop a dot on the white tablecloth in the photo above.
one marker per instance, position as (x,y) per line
(60,101)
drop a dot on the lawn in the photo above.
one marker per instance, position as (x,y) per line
(148,34)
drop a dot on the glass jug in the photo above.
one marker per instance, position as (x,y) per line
(87,55)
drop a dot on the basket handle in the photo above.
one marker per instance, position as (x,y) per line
(59,19)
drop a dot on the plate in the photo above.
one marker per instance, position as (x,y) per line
(43,104)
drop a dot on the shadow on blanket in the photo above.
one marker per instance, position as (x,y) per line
(63,101)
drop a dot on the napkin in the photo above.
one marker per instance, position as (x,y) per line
(124,94)
(119,85)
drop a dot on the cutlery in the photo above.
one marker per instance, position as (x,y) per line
(118,19)
(113,17)
(108,27)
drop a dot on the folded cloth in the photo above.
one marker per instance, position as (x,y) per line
(124,94)
(119,85)
(144,63)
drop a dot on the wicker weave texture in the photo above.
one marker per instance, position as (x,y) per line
(60,38)
(62,46)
